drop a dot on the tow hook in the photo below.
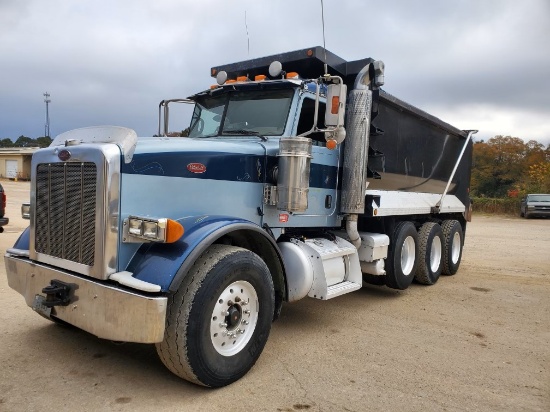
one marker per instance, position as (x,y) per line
(58,293)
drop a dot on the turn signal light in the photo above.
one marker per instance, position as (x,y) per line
(331,144)
(174,231)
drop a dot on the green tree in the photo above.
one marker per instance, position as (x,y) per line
(43,141)
(7,142)
(24,141)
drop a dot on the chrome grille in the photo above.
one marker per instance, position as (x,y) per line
(66,210)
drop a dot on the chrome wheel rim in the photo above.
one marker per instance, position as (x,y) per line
(455,248)
(234,318)
(435,254)
(408,255)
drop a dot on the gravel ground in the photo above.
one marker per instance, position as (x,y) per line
(479,341)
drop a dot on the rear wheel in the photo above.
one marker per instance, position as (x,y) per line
(430,256)
(219,319)
(401,262)
(453,239)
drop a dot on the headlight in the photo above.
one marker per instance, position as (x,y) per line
(154,230)
(26,210)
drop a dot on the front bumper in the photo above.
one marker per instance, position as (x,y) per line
(538,212)
(104,310)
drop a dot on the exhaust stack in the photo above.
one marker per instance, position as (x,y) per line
(354,179)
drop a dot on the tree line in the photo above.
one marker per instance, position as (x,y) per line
(24,141)
(506,166)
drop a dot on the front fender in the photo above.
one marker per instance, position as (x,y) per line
(166,264)
(24,240)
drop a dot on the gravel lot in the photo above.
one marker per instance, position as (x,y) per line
(479,340)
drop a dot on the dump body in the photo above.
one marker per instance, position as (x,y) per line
(413,151)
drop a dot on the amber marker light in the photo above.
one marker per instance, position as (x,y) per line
(174,231)
(292,75)
(331,144)
(335,104)
(260,77)
(242,78)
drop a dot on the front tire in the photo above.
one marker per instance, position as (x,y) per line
(430,258)
(401,262)
(219,320)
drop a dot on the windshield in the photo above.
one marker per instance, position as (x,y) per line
(263,112)
(538,198)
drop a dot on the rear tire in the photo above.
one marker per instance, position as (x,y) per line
(218,321)
(430,256)
(453,240)
(402,253)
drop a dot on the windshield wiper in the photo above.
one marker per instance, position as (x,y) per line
(246,133)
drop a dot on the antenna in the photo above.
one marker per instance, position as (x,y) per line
(247,36)
(47,100)
(324,43)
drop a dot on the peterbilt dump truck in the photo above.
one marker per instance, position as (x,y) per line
(299,177)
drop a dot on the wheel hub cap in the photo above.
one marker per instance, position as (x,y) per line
(234,318)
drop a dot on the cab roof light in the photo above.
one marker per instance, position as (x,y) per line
(231,81)
(242,78)
(292,75)
(260,77)
(221,77)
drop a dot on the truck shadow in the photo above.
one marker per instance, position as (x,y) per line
(77,356)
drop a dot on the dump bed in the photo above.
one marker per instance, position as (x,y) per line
(413,151)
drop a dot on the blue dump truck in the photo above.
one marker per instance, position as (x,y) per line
(299,177)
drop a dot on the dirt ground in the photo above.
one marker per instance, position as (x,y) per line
(479,341)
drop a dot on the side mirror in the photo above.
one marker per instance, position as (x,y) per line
(336,105)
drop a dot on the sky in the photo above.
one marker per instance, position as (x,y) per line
(476,64)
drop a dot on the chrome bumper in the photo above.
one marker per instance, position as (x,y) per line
(103,310)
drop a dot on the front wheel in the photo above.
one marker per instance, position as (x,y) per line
(219,320)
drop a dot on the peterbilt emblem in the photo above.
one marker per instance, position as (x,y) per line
(196,168)
(64,155)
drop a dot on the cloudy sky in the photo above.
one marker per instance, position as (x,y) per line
(482,64)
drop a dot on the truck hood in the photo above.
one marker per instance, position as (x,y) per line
(234,159)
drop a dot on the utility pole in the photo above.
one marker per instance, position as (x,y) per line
(47,126)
